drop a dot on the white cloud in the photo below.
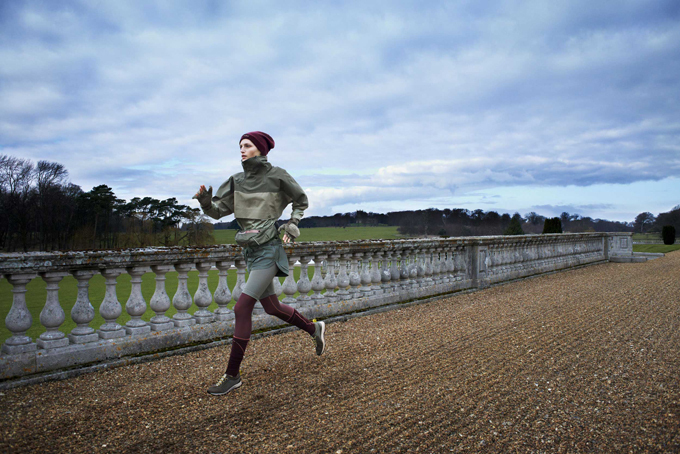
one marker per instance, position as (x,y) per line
(369,103)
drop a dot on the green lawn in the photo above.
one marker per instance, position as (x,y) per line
(646,236)
(327,234)
(665,248)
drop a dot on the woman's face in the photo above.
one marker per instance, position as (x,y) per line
(248,150)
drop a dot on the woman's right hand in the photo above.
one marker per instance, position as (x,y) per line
(204,196)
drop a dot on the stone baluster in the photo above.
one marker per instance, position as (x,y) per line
(420,267)
(318,283)
(331,281)
(490,255)
(19,319)
(366,279)
(203,297)
(461,267)
(52,315)
(428,268)
(456,250)
(343,278)
(136,304)
(240,278)
(385,272)
(182,299)
(110,308)
(304,285)
(82,312)
(222,293)
(405,270)
(376,275)
(160,301)
(435,265)
(444,264)
(289,285)
(354,276)
(395,274)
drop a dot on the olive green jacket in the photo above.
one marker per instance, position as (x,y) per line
(258,195)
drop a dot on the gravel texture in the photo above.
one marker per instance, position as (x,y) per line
(580,361)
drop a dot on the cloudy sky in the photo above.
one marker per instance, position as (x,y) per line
(381,106)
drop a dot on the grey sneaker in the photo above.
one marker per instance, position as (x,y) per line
(225,384)
(319,339)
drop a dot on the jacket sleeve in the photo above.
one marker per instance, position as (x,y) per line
(292,189)
(222,203)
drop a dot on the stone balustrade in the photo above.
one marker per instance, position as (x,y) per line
(347,276)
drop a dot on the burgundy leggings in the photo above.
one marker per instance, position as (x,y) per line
(243,311)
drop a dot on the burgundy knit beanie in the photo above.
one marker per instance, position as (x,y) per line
(261,140)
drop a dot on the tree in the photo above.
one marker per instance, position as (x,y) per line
(644,221)
(552,225)
(515,226)
(668,234)
(50,177)
(670,218)
(16,176)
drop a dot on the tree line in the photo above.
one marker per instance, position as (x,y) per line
(462,222)
(40,209)
(646,222)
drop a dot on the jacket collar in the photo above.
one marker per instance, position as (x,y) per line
(256,165)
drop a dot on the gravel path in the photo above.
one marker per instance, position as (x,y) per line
(581,361)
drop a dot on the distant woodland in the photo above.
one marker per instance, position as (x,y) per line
(40,209)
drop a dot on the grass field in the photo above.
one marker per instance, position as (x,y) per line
(665,248)
(327,234)
(68,291)
(646,236)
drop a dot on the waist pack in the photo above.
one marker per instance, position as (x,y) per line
(251,238)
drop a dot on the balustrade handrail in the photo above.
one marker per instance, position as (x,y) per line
(348,276)
(111,258)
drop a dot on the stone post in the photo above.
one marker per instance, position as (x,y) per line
(203,297)
(82,312)
(52,315)
(19,319)
(110,308)
(182,299)
(222,293)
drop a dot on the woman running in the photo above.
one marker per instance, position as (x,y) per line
(257,197)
